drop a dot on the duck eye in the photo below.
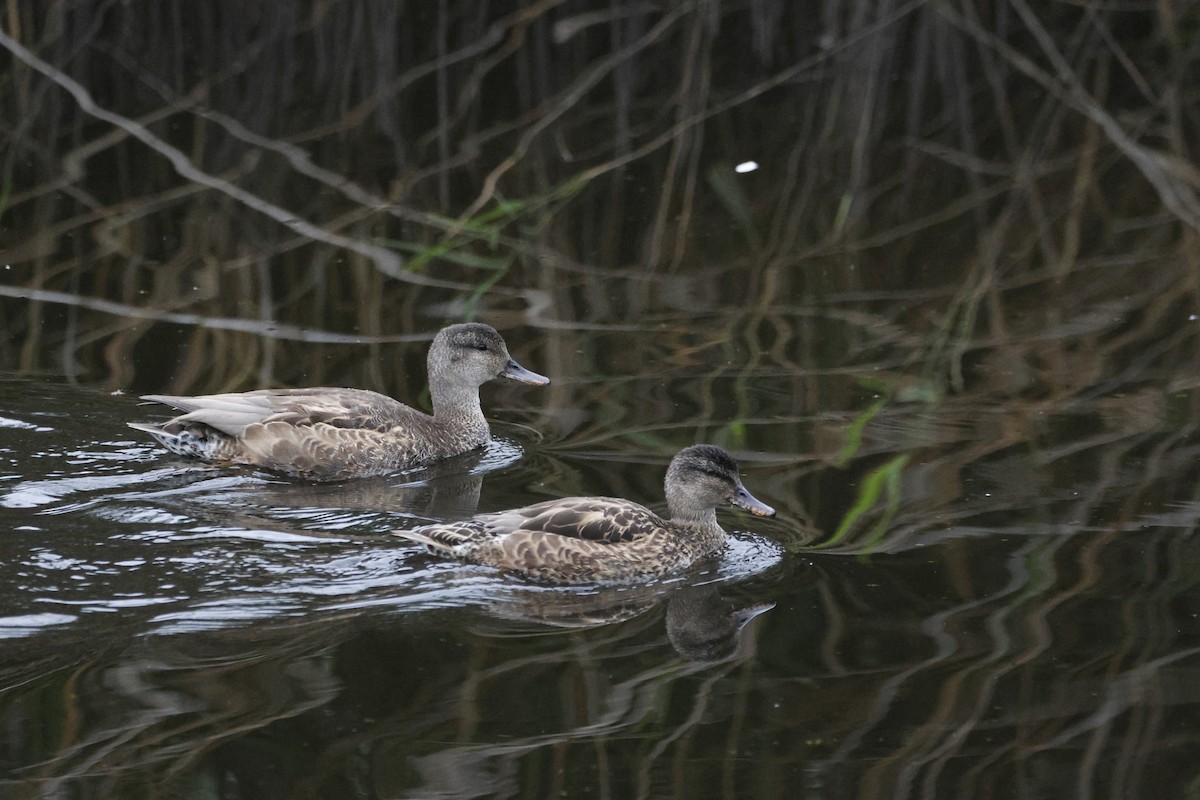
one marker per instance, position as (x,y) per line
(481,346)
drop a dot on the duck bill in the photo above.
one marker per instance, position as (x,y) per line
(743,499)
(514,371)
(744,615)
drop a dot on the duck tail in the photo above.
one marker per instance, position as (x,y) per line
(192,441)
(440,539)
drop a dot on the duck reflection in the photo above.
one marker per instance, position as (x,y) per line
(704,626)
(701,624)
(449,490)
(356,679)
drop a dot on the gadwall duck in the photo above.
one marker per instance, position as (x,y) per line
(604,539)
(329,434)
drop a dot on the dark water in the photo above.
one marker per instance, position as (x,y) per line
(175,628)
(950,327)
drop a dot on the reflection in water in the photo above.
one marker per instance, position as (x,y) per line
(445,490)
(187,710)
(703,626)
(865,673)
(225,630)
(991,641)
(700,624)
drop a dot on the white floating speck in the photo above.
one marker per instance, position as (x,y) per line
(746,166)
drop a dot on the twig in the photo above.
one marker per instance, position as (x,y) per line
(385,260)
(264,328)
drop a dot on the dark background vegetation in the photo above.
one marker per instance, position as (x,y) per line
(197,193)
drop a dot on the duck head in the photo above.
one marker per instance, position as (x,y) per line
(704,476)
(472,354)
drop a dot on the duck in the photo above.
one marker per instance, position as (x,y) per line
(327,433)
(604,539)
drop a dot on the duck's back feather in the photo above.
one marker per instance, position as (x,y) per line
(599,519)
(232,413)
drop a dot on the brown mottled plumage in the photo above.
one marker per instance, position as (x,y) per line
(327,433)
(604,539)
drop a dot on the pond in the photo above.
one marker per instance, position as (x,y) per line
(962,361)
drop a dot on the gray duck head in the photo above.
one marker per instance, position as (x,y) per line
(704,476)
(469,355)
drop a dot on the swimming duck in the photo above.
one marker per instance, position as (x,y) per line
(604,539)
(328,434)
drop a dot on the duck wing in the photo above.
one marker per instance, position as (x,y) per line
(607,520)
(347,409)
(590,523)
